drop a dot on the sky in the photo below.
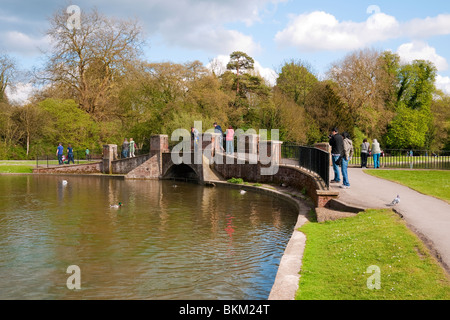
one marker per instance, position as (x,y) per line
(272,32)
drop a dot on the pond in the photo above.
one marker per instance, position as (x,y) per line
(169,240)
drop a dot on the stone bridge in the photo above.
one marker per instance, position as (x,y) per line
(255,161)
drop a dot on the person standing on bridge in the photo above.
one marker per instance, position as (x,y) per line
(337,149)
(218,129)
(230,140)
(195,137)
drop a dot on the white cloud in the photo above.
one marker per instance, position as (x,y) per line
(21,93)
(430,26)
(216,40)
(322,31)
(15,41)
(319,30)
(443,83)
(419,50)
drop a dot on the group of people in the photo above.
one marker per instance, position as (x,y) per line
(366,151)
(128,148)
(60,154)
(341,154)
(229,138)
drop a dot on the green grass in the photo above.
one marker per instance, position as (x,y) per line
(338,254)
(17,166)
(430,182)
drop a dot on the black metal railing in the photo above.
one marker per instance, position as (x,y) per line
(79,157)
(310,158)
(408,159)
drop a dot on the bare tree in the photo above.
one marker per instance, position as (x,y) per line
(7,71)
(90,58)
(365,84)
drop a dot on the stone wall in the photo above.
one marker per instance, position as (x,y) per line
(150,169)
(124,166)
(89,168)
(288,175)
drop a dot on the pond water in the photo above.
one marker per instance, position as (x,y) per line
(169,240)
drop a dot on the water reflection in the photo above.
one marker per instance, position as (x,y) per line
(165,242)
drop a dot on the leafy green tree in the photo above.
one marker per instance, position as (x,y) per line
(240,63)
(326,109)
(296,80)
(67,123)
(408,129)
(417,84)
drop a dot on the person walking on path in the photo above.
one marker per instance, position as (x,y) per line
(59,153)
(70,154)
(376,151)
(230,140)
(132,147)
(337,148)
(365,149)
(346,157)
(87,153)
(125,148)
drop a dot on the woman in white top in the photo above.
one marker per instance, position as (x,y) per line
(376,151)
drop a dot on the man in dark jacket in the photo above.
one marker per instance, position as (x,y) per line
(337,149)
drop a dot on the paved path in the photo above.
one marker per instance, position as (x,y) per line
(428,216)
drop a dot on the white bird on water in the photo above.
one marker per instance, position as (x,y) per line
(116,206)
(243,191)
(64,182)
(396,201)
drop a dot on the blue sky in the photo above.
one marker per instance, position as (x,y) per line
(318,32)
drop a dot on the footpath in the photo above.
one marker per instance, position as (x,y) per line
(427,216)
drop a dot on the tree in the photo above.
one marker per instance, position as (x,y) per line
(296,80)
(326,109)
(68,124)
(31,120)
(440,128)
(89,60)
(7,71)
(240,62)
(408,129)
(365,81)
(417,84)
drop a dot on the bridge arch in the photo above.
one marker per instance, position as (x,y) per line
(182,172)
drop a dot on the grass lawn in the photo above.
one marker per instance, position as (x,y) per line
(431,182)
(338,254)
(17,166)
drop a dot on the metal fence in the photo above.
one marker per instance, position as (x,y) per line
(310,158)
(80,157)
(407,159)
